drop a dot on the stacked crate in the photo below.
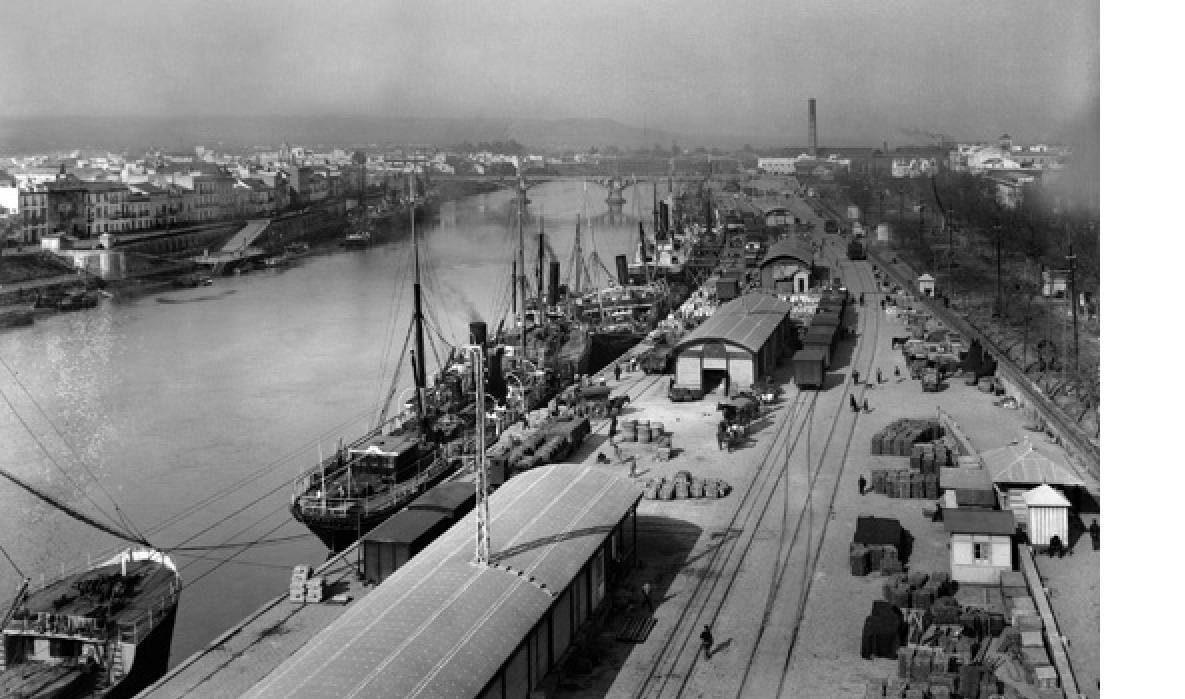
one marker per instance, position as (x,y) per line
(296,588)
(314,590)
(923,443)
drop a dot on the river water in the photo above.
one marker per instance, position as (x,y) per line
(194,409)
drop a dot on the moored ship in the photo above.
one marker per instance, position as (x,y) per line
(102,632)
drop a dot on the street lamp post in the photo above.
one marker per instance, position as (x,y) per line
(1073,260)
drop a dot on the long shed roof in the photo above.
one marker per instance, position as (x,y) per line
(442,626)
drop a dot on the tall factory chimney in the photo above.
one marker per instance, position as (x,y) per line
(814,134)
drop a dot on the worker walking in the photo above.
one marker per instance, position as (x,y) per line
(862,483)
(617,372)
(855,405)
(897,372)
(1094,534)
(866,408)
(855,376)
(878,376)
(705,638)
(612,427)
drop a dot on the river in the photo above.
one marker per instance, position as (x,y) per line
(194,409)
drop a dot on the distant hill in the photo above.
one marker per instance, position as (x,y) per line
(137,134)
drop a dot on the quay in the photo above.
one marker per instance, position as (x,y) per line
(768,566)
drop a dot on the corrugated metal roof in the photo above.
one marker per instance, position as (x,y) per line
(442,626)
(789,247)
(1045,496)
(1020,463)
(747,321)
(964,521)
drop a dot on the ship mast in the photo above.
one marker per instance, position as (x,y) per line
(481,479)
(522,271)
(540,305)
(418,316)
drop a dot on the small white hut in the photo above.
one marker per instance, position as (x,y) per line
(1018,468)
(980,544)
(1049,514)
(926,285)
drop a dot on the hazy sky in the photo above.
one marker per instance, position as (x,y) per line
(968,69)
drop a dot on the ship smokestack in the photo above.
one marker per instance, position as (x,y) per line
(553,283)
(814,134)
(477,333)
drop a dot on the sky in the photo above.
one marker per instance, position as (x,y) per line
(879,70)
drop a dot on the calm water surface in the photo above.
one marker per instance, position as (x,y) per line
(195,414)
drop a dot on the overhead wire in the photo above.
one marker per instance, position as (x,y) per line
(40,445)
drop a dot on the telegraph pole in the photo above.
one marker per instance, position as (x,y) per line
(1073,260)
(999,293)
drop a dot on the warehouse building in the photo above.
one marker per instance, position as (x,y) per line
(743,341)
(445,626)
(787,266)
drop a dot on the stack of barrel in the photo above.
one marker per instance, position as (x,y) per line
(685,486)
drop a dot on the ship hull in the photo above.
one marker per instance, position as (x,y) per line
(338,532)
(151,663)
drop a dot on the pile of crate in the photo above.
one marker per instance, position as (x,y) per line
(304,588)
(905,483)
(898,437)
(865,559)
(684,487)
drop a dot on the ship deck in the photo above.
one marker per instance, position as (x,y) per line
(63,598)
(39,679)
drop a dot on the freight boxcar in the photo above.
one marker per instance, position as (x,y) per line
(389,546)
(809,368)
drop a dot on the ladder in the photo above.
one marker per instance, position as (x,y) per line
(115,668)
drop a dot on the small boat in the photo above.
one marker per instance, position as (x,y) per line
(357,239)
(102,632)
(298,248)
(276,260)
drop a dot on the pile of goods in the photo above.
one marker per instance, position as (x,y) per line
(684,486)
(546,443)
(898,437)
(877,546)
(928,449)
(946,649)
(644,431)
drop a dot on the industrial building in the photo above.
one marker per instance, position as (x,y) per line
(742,342)
(445,625)
(787,266)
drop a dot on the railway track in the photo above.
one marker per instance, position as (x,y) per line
(800,532)
(772,653)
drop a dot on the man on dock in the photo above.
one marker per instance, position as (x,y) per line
(862,483)
(852,400)
(1094,534)
(705,638)
(646,596)
(617,372)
